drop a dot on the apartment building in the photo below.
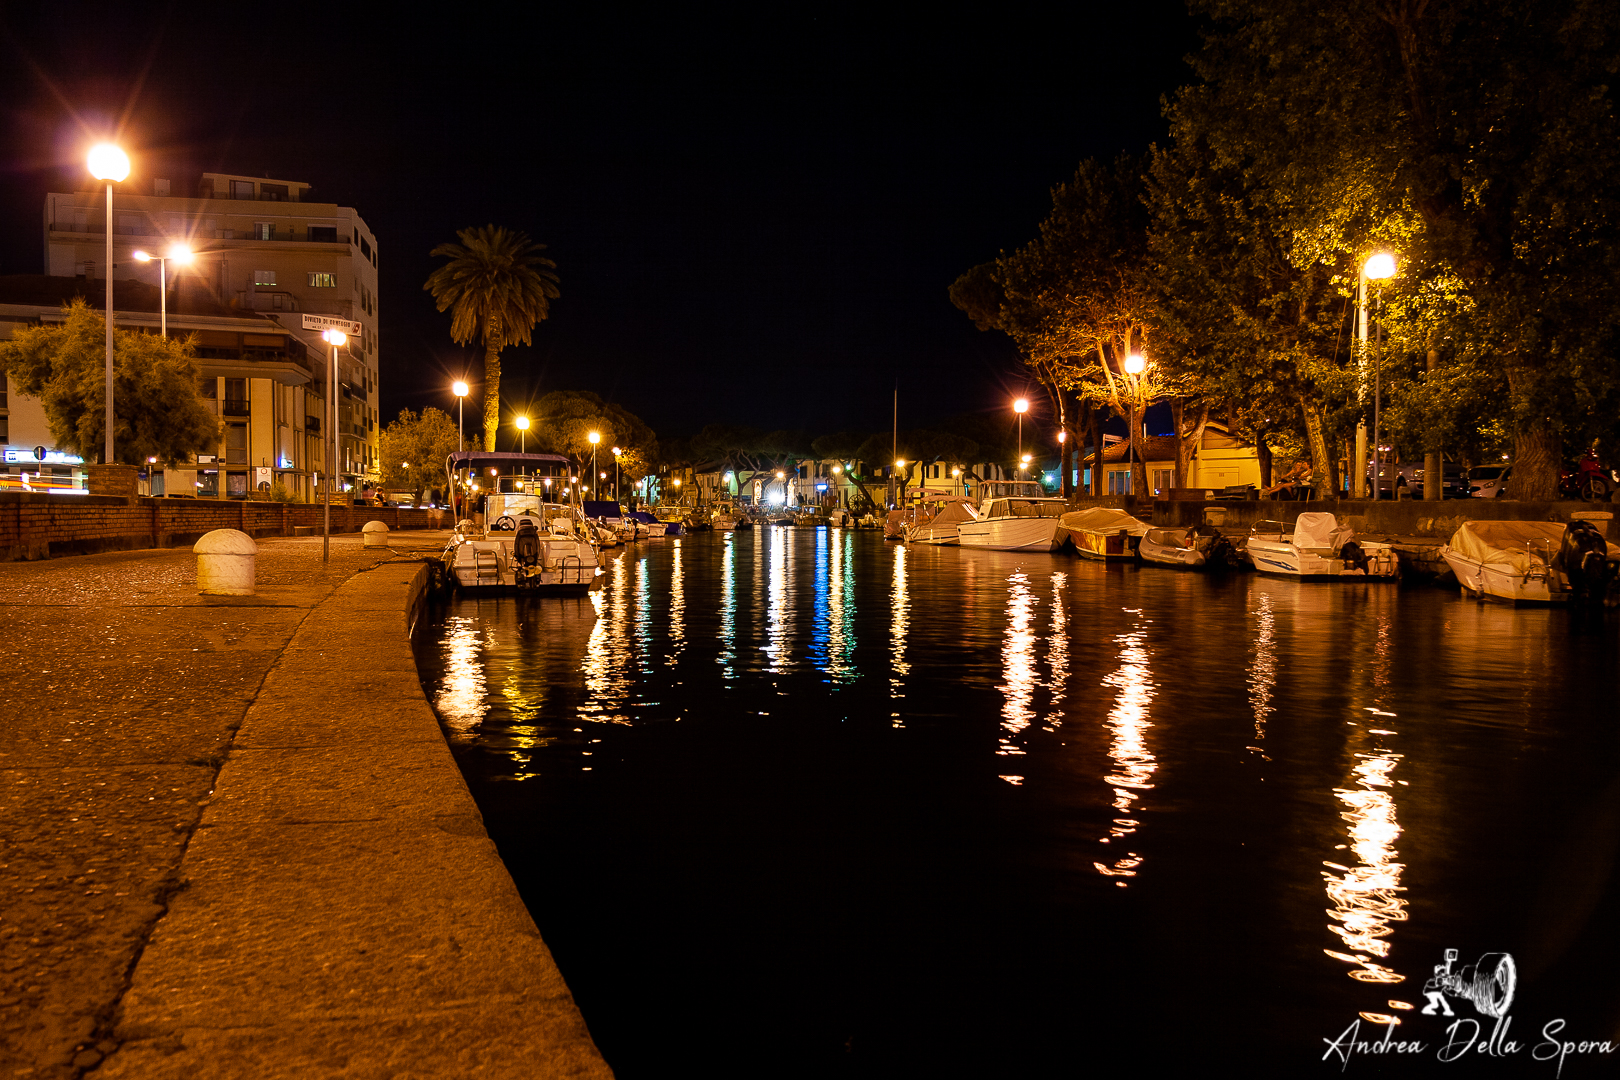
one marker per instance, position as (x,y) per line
(265,251)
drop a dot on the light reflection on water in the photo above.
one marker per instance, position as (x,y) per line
(1135,703)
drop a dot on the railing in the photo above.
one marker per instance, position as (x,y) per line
(235,407)
(312,424)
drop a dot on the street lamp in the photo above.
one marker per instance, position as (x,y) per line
(523,434)
(1135,364)
(594,437)
(179,253)
(111,164)
(1021,406)
(459,388)
(1377,268)
(337,339)
(616,453)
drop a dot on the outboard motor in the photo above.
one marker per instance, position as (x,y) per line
(1354,557)
(1217,549)
(1583,560)
(526,545)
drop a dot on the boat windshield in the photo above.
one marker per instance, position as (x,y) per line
(1029,508)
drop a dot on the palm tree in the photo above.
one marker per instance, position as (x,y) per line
(496,285)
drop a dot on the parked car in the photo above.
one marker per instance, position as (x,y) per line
(1488,481)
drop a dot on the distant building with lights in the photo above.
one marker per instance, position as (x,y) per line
(265,254)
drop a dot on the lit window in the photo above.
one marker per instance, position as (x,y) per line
(264,277)
(323,281)
(264,230)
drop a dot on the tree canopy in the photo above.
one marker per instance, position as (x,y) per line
(415,449)
(156,410)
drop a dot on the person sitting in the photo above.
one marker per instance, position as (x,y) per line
(1294,484)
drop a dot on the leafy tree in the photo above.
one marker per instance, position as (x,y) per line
(497,286)
(563,423)
(156,410)
(415,450)
(1480,140)
(750,451)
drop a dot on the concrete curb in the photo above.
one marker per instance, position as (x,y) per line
(343,912)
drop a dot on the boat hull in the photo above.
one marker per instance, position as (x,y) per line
(1114,546)
(1013,534)
(1502,582)
(1285,560)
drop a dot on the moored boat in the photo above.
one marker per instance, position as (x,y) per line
(1531,562)
(1198,547)
(939,520)
(1101,532)
(1316,547)
(1016,523)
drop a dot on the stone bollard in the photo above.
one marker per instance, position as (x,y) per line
(375,534)
(225,563)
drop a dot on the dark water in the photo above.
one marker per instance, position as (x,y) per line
(806,803)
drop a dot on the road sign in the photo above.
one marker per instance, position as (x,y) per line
(39,453)
(332,322)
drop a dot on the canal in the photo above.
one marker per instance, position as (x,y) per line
(803,802)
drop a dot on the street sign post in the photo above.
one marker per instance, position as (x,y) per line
(332,322)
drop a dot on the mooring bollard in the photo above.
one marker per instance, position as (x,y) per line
(225,563)
(375,534)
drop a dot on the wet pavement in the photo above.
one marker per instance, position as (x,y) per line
(122,691)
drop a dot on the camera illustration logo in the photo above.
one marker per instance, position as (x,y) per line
(1488,984)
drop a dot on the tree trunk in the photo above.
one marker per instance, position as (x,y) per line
(1317,441)
(1434,469)
(1537,454)
(1139,484)
(492,383)
(1262,454)
(1067,459)
(1188,441)
(1099,413)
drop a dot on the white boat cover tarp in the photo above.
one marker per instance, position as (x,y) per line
(1510,543)
(953,513)
(1320,531)
(1103,519)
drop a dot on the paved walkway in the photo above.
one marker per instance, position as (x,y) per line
(233,842)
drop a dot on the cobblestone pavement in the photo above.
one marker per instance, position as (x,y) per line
(122,689)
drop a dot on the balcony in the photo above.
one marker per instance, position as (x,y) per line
(312,424)
(234,407)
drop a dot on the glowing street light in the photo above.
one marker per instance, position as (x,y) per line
(459,388)
(337,339)
(108,163)
(595,437)
(523,434)
(616,453)
(1377,268)
(1021,406)
(1135,364)
(179,253)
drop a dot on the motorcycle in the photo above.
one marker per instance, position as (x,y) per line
(1587,481)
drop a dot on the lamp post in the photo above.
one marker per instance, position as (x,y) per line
(595,437)
(179,253)
(523,434)
(1021,406)
(1376,268)
(111,164)
(1135,364)
(616,453)
(337,339)
(459,388)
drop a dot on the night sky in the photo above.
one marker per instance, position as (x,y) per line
(755,217)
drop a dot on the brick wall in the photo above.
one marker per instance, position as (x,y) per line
(38,526)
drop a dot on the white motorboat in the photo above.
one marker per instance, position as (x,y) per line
(549,552)
(1317,547)
(1198,547)
(938,520)
(1533,562)
(1016,523)
(1101,532)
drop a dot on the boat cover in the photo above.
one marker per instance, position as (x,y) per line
(602,509)
(1510,543)
(1103,519)
(952,513)
(1320,531)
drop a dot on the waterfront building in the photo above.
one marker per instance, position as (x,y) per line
(1220,460)
(262,381)
(263,250)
